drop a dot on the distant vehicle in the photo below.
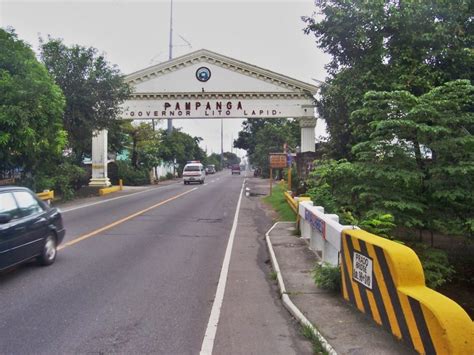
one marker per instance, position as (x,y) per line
(29,228)
(194,172)
(235,169)
(211,169)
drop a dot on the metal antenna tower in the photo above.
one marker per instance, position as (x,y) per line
(170,121)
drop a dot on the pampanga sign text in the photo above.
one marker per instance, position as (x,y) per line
(146,109)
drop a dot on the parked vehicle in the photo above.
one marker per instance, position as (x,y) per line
(29,228)
(235,169)
(194,172)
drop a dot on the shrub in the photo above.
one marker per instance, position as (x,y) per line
(375,222)
(68,179)
(64,179)
(169,176)
(132,176)
(327,277)
(435,264)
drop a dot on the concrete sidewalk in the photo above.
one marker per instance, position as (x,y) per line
(345,329)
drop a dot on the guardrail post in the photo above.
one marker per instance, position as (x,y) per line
(317,240)
(121,184)
(305,227)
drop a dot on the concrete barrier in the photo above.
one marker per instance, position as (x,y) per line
(322,230)
(385,280)
(291,202)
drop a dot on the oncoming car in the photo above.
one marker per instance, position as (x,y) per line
(194,172)
(29,228)
(211,169)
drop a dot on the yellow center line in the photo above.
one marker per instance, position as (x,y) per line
(120,221)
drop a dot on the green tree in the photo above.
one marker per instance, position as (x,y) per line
(31,107)
(261,137)
(230,159)
(144,146)
(383,46)
(94,90)
(420,156)
(214,159)
(180,147)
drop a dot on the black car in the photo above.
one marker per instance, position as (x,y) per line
(29,228)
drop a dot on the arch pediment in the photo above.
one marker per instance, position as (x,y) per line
(234,89)
(227,76)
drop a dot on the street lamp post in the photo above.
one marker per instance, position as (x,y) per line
(222,143)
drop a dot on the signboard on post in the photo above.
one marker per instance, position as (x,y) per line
(278,160)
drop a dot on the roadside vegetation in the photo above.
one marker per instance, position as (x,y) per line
(50,107)
(399,107)
(398,104)
(308,333)
(278,202)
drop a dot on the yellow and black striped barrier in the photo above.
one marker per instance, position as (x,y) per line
(385,280)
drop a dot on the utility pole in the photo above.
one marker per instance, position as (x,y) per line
(155,169)
(170,122)
(222,143)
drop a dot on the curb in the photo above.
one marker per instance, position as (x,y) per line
(289,305)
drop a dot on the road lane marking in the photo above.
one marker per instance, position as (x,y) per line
(210,335)
(120,221)
(114,198)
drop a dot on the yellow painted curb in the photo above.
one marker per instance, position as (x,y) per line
(109,190)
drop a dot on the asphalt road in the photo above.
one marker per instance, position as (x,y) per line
(125,281)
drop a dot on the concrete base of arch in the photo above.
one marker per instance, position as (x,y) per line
(99,159)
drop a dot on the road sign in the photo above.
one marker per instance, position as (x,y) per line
(278,160)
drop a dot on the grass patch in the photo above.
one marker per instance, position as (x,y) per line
(308,333)
(278,202)
(273,275)
(327,277)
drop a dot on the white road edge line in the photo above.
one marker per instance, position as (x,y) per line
(113,199)
(210,335)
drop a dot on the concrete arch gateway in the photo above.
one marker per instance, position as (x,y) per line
(207,85)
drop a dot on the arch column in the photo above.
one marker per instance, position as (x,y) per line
(308,137)
(99,159)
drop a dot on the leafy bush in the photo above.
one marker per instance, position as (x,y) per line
(435,264)
(132,176)
(169,176)
(64,178)
(329,185)
(68,179)
(327,277)
(375,222)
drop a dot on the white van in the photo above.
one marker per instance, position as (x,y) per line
(194,172)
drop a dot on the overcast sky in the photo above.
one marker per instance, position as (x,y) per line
(135,35)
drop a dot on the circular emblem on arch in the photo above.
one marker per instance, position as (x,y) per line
(203,74)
